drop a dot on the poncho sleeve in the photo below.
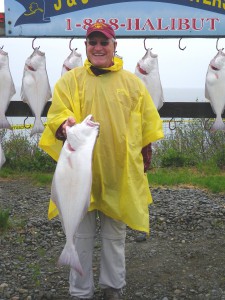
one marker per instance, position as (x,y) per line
(152,129)
(65,103)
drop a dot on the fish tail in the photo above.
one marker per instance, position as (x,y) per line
(218,125)
(38,127)
(69,256)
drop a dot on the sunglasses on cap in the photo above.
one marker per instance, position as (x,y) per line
(94,43)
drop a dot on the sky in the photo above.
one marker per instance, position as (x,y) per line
(178,69)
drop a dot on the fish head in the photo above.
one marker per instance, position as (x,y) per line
(81,133)
(218,62)
(74,60)
(149,61)
(3,58)
(36,60)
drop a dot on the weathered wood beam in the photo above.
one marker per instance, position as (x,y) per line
(169,110)
(187,110)
(21,109)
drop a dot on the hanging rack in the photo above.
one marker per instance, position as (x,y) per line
(145,45)
(170,124)
(33,44)
(26,126)
(70,45)
(217,48)
(180,45)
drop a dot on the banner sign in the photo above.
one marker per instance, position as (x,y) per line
(134,18)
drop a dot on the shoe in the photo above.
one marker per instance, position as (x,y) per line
(112,294)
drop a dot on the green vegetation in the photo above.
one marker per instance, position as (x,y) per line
(191,144)
(24,155)
(25,159)
(4,219)
(35,272)
(189,155)
(187,177)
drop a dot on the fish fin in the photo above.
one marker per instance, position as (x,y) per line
(38,127)
(54,194)
(207,93)
(69,256)
(161,102)
(12,89)
(49,93)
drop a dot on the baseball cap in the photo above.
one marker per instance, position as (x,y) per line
(104,28)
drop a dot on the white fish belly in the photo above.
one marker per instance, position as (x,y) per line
(7,90)
(72,187)
(215,93)
(35,92)
(154,87)
(72,61)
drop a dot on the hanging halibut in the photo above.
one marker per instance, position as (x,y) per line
(71,185)
(147,69)
(7,88)
(215,88)
(72,61)
(36,89)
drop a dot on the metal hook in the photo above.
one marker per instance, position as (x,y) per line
(180,46)
(206,124)
(24,123)
(175,125)
(217,48)
(70,45)
(145,45)
(2,47)
(33,44)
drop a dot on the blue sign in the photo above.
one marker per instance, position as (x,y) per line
(134,18)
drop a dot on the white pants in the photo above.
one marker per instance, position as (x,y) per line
(112,262)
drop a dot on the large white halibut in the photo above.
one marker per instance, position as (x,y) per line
(147,69)
(36,89)
(72,61)
(71,186)
(7,88)
(215,88)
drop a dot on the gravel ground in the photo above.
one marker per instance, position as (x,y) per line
(184,257)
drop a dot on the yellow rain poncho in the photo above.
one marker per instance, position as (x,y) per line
(128,119)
